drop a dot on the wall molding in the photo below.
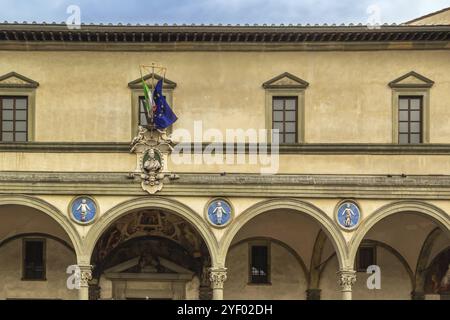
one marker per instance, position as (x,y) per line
(301,148)
(232,185)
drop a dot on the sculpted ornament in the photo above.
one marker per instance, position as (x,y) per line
(346,279)
(85,275)
(151,147)
(217,277)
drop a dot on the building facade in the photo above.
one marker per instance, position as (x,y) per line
(353,202)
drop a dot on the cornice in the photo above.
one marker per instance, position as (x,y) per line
(307,148)
(199,37)
(232,185)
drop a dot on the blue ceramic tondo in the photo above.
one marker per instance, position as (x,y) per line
(348,215)
(219,212)
(83,209)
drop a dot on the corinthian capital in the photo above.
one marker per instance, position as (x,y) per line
(217,276)
(85,275)
(346,279)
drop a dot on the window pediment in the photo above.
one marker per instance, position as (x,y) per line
(285,80)
(411,80)
(137,84)
(15,80)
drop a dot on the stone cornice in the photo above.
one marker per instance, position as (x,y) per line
(308,148)
(121,37)
(238,185)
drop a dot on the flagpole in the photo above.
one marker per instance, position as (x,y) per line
(151,68)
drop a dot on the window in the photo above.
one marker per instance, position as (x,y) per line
(284,118)
(142,112)
(14,119)
(366,257)
(259,264)
(137,100)
(285,108)
(34,259)
(411,108)
(410,119)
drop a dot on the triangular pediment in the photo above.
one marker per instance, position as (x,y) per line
(137,84)
(285,81)
(168,266)
(411,80)
(15,80)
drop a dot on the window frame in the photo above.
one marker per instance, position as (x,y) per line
(299,94)
(30,95)
(260,243)
(409,121)
(44,258)
(284,98)
(136,94)
(365,246)
(14,120)
(411,92)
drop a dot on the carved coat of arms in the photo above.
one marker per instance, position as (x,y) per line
(152,147)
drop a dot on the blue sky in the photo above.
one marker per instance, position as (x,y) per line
(218,11)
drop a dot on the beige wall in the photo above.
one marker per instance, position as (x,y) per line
(395,282)
(58,258)
(293,164)
(83,96)
(288,280)
(436,19)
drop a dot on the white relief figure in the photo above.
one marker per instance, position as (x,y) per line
(219,211)
(84,207)
(152,164)
(348,213)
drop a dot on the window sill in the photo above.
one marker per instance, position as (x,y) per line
(33,280)
(267,284)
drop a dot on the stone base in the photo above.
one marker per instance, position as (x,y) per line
(313,294)
(205,293)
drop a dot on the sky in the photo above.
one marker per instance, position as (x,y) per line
(220,11)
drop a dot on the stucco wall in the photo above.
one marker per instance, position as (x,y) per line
(395,282)
(58,258)
(437,19)
(83,96)
(287,278)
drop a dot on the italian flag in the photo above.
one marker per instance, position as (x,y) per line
(149,103)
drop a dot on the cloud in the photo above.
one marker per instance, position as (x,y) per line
(219,11)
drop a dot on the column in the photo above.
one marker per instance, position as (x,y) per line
(417,295)
(85,277)
(217,277)
(346,279)
(313,294)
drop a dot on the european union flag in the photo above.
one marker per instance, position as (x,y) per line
(163,115)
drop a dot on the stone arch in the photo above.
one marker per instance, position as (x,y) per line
(428,210)
(38,235)
(431,268)
(423,261)
(170,205)
(300,207)
(316,260)
(52,212)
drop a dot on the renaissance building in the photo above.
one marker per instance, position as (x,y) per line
(349,198)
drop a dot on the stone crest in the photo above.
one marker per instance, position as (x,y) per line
(152,147)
